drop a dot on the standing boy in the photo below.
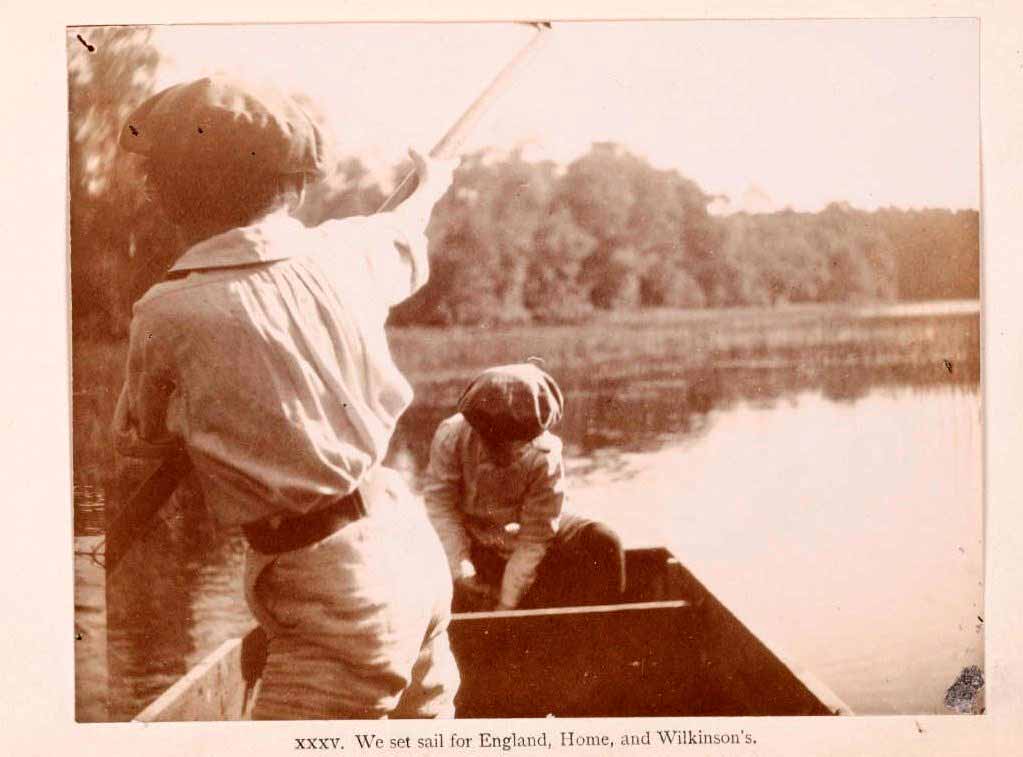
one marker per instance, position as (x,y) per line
(263,357)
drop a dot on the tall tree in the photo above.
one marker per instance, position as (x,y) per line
(110,72)
(645,222)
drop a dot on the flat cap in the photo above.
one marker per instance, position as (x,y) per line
(221,121)
(512,402)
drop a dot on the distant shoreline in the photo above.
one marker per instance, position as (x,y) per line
(625,343)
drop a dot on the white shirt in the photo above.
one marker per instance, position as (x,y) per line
(267,359)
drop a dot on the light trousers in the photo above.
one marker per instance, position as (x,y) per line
(357,623)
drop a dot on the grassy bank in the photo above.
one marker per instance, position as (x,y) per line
(621,345)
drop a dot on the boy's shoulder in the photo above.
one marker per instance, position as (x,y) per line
(547,444)
(544,453)
(453,423)
(158,307)
(453,428)
(176,294)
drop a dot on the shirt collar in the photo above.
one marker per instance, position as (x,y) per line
(267,240)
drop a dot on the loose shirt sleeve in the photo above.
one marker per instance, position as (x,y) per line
(541,512)
(393,245)
(389,249)
(140,419)
(442,492)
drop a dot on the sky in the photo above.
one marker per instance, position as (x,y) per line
(768,114)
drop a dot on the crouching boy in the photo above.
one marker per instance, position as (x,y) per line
(495,491)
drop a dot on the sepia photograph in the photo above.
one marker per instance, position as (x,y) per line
(549,369)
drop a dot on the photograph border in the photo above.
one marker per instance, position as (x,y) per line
(39,690)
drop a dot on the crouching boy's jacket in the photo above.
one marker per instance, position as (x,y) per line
(513,509)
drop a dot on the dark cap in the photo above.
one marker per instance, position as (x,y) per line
(222,122)
(512,402)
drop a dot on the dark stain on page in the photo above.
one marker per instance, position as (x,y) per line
(90,48)
(965,696)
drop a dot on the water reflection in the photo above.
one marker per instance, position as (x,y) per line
(90,633)
(174,598)
(668,431)
(642,413)
(850,535)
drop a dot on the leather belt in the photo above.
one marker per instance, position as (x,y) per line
(302,530)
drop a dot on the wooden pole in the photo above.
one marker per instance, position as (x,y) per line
(460,130)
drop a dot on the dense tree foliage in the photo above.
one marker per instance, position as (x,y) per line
(116,239)
(515,240)
(937,252)
(837,255)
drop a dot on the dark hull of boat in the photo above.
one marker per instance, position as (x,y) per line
(670,649)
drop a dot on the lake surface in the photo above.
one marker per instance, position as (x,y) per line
(837,512)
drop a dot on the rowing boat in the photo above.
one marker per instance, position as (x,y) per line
(670,648)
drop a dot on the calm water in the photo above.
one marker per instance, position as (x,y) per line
(838,513)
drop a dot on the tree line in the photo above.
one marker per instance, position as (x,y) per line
(517,240)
